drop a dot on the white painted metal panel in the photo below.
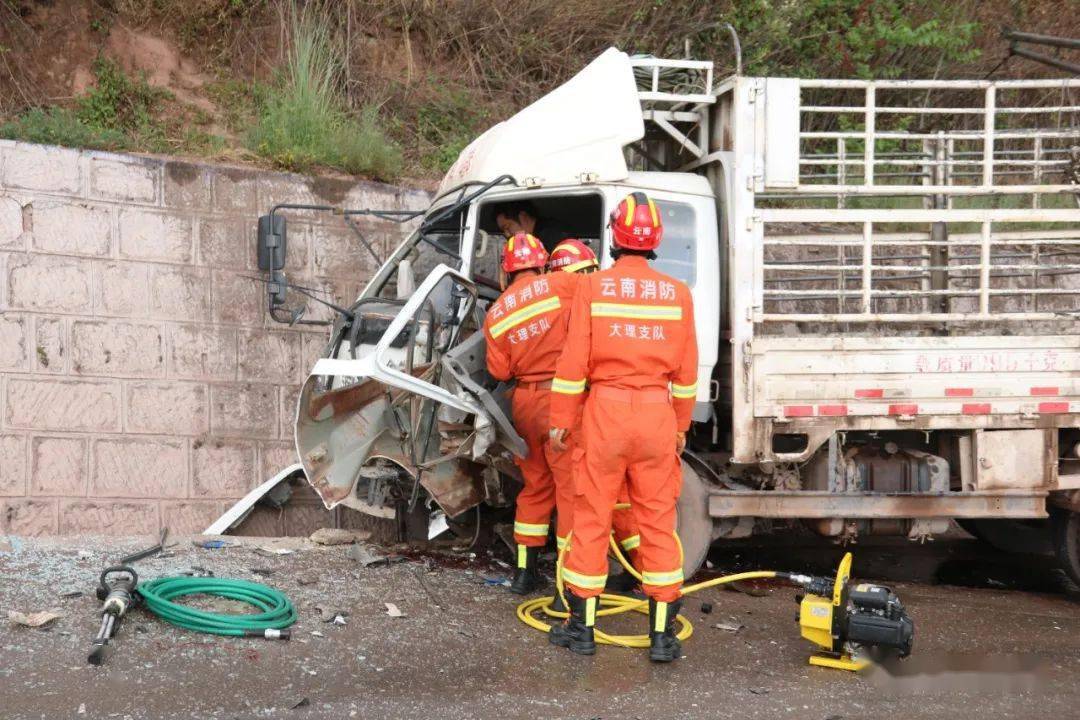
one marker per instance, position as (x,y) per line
(580,127)
(781,133)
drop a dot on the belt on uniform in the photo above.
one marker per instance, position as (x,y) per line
(645,395)
(539,385)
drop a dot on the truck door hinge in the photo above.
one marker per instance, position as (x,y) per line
(747,363)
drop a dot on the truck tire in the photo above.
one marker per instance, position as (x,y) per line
(1065,531)
(1011,536)
(694,524)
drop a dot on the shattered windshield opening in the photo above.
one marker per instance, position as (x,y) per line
(437,244)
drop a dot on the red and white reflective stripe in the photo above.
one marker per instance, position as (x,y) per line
(927,407)
(959,392)
(870,393)
(1044,391)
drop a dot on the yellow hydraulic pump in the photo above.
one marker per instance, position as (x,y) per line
(839,618)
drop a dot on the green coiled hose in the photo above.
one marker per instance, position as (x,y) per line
(277,612)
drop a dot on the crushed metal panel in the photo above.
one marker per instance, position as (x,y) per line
(456,485)
(1013,459)
(464,363)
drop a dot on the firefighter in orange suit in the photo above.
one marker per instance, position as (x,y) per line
(574,256)
(631,338)
(525,330)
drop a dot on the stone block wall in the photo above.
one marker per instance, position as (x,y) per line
(142,382)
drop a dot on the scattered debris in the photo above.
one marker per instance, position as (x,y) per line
(302,702)
(152,550)
(34,620)
(85,554)
(309,579)
(264,572)
(316,633)
(68,594)
(267,551)
(82,709)
(497,582)
(210,544)
(729,627)
(331,614)
(339,620)
(393,611)
(236,514)
(437,525)
(198,571)
(367,556)
(759,691)
(338,536)
(706,607)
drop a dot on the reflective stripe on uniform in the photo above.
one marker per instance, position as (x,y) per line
(560,542)
(589,582)
(684,391)
(578,265)
(631,543)
(590,611)
(567,387)
(523,556)
(637,312)
(660,623)
(526,313)
(531,529)
(662,578)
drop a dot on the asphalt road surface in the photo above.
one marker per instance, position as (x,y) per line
(996,636)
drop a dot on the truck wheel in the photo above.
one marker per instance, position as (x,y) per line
(1065,531)
(694,523)
(1011,536)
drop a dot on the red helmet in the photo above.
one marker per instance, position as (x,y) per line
(635,224)
(522,252)
(572,256)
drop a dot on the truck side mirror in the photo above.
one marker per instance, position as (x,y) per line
(272,242)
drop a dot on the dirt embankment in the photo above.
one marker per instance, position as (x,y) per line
(437,74)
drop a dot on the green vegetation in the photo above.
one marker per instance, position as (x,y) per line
(303,123)
(117,113)
(372,87)
(445,124)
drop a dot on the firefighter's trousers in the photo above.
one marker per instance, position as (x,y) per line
(630,438)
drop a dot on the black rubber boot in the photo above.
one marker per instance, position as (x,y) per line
(622,582)
(577,632)
(663,645)
(526,576)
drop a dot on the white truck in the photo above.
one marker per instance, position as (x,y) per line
(886,277)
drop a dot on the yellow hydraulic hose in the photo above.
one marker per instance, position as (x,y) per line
(616,604)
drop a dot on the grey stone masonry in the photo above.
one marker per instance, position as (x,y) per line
(142,382)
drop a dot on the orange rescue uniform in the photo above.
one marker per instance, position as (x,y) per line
(525,330)
(631,337)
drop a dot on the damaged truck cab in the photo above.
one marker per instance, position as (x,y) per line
(883,293)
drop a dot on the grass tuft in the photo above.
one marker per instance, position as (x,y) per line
(303,122)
